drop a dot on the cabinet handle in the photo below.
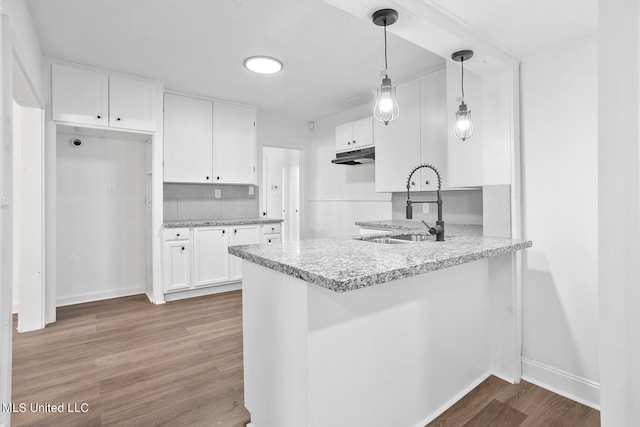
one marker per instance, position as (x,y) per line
(99,117)
(207,178)
(177,234)
(348,142)
(269,241)
(264,214)
(223,231)
(354,141)
(118,119)
(273,229)
(426,182)
(218,178)
(413,183)
(235,231)
(183,248)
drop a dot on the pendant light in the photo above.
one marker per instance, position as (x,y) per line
(386,109)
(463,128)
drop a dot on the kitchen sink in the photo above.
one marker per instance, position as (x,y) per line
(387,241)
(414,237)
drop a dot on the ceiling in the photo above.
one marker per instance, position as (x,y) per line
(198,47)
(526,26)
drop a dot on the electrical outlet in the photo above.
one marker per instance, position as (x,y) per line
(251,190)
(217,194)
(426,207)
(111,190)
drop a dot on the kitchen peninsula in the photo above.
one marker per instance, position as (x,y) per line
(354,331)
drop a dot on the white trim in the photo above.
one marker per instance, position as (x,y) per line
(564,383)
(349,201)
(97,296)
(435,414)
(150,298)
(198,292)
(15,308)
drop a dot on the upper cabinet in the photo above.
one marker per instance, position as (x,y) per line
(85,97)
(188,136)
(417,136)
(208,141)
(354,135)
(234,144)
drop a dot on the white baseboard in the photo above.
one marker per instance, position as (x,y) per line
(152,301)
(210,290)
(564,383)
(96,296)
(435,414)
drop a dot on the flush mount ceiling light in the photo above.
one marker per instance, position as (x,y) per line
(263,64)
(463,127)
(386,109)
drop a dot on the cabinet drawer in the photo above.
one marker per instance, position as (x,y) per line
(176,234)
(271,228)
(271,238)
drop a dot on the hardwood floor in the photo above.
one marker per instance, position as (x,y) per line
(180,364)
(136,364)
(498,403)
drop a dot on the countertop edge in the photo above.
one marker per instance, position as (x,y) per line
(220,222)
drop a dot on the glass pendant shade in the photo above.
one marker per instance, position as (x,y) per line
(386,109)
(463,128)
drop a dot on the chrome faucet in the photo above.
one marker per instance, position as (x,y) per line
(438,230)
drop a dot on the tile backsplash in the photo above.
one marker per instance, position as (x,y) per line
(197,201)
(458,206)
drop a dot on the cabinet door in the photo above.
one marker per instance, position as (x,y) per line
(234,144)
(211,263)
(246,235)
(398,143)
(344,137)
(177,265)
(362,131)
(79,96)
(434,129)
(132,104)
(188,139)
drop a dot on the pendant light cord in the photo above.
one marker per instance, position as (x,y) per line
(385,47)
(462,84)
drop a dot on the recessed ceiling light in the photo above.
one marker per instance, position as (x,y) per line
(263,64)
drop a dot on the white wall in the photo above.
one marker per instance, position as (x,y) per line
(619,210)
(339,195)
(560,193)
(101,244)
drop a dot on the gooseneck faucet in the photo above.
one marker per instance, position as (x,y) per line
(438,230)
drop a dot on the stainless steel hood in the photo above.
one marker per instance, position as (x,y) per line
(356,157)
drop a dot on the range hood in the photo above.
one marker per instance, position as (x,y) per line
(356,157)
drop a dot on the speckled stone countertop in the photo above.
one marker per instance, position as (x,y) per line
(349,263)
(219,222)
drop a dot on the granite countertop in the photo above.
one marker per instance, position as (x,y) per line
(220,222)
(349,263)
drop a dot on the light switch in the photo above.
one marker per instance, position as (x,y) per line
(217,194)
(111,190)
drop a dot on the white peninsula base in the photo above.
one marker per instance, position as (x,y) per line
(393,354)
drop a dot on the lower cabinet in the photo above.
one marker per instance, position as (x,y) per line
(199,257)
(177,265)
(210,260)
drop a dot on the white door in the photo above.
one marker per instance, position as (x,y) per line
(234,141)
(211,264)
(132,104)
(344,137)
(398,143)
(177,270)
(79,95)
(188,139)
(245,235)
(362,133)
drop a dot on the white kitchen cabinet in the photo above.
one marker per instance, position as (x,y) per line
(188,136)
(355,135)
(418,136)
(87,97)
(398,147)
(177,265)
(211,265)
(241,235)
(272,238)
(234,144)
(80,96)
(132,104)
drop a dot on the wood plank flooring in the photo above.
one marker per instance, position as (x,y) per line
(180,364)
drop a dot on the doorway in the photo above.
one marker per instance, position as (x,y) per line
(280,191)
